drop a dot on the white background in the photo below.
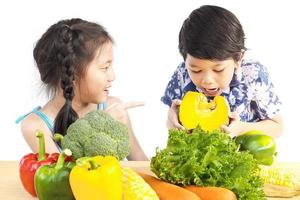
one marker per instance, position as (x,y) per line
(146,54)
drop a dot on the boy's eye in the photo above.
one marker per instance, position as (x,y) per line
(219,70)
(195,72)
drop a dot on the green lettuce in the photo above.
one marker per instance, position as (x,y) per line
(208,159)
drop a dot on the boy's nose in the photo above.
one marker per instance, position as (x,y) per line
(207,80)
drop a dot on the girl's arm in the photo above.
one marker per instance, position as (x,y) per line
(136,151)
(28,128)
(118,110)
(272,127)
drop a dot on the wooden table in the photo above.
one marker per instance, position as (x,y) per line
(11,187)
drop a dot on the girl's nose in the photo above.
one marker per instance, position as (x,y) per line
(111,75)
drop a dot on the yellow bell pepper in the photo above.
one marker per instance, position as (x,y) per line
(195,110)
(97,178)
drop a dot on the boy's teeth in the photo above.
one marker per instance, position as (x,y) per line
(215,89)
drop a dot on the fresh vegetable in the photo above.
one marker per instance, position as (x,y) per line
(212,193)
(262,146)
(208,159)
(52,181)
(97,134)
(95,178)
(279,176)
(196,111)
(279,181)
(135,188)
(168,191)
(31,162)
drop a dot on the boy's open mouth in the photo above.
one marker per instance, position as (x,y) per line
(211,91)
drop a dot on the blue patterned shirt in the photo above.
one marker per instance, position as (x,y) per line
(250,93)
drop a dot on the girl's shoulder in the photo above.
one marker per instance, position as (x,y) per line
(29,126)
(31,123)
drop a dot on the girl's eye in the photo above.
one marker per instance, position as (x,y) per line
(105,68)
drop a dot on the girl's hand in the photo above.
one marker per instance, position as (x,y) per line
(236,127)
(119,110)
(172,121)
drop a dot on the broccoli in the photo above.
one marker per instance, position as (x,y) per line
(97,133)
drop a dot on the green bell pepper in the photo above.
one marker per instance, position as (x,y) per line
(52,181)
(260,145)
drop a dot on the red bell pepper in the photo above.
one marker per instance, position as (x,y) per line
(31,162)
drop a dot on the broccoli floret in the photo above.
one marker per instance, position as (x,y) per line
(97,134)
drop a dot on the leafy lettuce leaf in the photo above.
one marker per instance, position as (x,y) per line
(208,159)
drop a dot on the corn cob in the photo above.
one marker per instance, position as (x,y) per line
(135,188)
(278,176)
(279,182)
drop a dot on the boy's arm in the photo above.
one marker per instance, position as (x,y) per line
(272,127)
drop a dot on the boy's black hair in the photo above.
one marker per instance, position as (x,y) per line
(61,56)
(211,32)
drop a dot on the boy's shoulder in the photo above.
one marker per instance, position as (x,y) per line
(251,63)
(254,71)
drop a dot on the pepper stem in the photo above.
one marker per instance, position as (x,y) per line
(42,154)
(93,164)
(58,137)
(61,158)
(87,162)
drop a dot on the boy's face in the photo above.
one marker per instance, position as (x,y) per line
(211,76)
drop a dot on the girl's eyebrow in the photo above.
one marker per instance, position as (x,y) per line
(106,62)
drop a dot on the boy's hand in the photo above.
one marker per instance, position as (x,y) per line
(236,127)
(172,121)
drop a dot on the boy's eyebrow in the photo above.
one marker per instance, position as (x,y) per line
(215,65)
(193,66)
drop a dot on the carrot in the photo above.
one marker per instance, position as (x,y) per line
(212,193)
(168,191)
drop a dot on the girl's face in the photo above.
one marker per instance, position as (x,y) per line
(94,86)
(211,76)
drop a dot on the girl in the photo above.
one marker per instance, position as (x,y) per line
(74,58)
(211,42)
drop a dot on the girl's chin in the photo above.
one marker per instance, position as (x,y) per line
(102,98)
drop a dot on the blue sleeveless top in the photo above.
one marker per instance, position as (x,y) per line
(49,122)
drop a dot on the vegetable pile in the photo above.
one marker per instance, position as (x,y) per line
(208,159)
